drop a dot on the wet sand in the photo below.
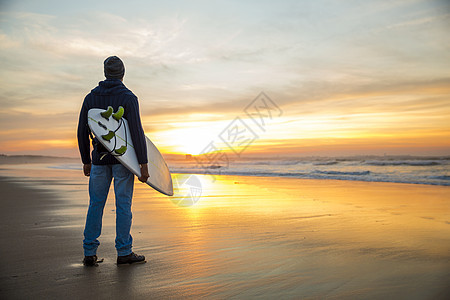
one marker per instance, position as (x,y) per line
(247,237)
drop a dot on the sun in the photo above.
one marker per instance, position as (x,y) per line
(189,137)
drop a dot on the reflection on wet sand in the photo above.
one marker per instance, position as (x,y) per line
(246,237)
(287,237)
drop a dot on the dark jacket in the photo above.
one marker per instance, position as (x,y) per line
(111,92)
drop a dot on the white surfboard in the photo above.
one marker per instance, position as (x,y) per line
(160,178)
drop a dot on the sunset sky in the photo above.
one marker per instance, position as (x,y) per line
(349,77)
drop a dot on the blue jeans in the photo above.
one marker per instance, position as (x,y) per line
(99,183)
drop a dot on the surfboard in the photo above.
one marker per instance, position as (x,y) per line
(112,131)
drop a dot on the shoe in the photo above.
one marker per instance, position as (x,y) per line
(131,259)
(91,261)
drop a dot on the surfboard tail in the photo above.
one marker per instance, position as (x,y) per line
(107,113)
(119,114)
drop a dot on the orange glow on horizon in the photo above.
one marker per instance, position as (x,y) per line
(175,142)
(403,124)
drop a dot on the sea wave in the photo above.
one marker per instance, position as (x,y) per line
(402,163)
(357,173)
(273,162)
(66,166)
(325,163)
(334,175)
(441,177)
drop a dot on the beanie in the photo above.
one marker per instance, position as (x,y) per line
(114,68)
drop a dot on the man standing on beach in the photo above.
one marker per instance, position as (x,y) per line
(103,167)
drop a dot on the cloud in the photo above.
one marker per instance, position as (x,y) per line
(419,21)
(326,60)
(95,34)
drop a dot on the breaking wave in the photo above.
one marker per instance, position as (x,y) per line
(416,170)
(403,163)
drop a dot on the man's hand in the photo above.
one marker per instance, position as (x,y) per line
(87,169)
(144,173)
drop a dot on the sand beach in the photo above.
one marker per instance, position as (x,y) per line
(246,237)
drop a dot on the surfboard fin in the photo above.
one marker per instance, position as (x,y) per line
(121,150)
(107,113)
(119,113)
(108,136)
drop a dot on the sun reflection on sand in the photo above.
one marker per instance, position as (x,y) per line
(250,236)
(253,233)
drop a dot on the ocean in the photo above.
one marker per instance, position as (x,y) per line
(396,169)
(400,169)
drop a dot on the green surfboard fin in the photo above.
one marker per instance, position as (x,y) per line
(121,150)
(119,113)
(107,113)
(108,136)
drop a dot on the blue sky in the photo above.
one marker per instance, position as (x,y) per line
(378,69)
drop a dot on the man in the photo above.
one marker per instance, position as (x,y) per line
(102,168)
